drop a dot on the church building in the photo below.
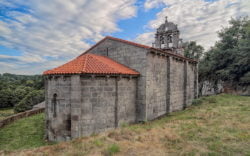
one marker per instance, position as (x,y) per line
(118,81)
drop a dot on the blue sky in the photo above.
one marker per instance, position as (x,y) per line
(42,34)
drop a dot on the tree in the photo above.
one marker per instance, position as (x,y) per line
(13,88)
(229,59)
(5,98)
(19,93)
(31,99)
(192,50)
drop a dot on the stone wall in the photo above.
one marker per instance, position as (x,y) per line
(133,57)
(21,115)
(191,83)
(106,103)
(238,89)
(156,86)
(177,88)
(171,84)
(58,119)
(207,88)
(127,101)
(155,95)
(98,105)
(88,105)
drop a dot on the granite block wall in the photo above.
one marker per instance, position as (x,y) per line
(98,105)
(170,84)
(190,83)
(106,103)
(58,123)
(177,89)
(86,105)
(127,101)
(156,86)
(133,57)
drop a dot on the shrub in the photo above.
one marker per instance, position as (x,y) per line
(6,98)
(31,99)
(98,142)
(197,101)
(211,100)
(112,149)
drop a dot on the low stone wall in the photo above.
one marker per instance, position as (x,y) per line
(207,88)
(15,117)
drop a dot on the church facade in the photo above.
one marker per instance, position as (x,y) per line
(118,81)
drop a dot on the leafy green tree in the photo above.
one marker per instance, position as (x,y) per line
(31,99)
(5,98)
(13,88)
(19,93)
(229,59)
(192,50)
(30,83)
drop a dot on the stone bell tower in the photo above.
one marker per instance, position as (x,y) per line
(167,37)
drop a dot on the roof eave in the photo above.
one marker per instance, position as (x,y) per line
(90,74)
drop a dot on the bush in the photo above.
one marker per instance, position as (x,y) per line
(197,101)
(13,88)
(211,100)
(31,99)
(112,149)
(6,98)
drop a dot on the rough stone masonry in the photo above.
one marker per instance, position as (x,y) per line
(118,81)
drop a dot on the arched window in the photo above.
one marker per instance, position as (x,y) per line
(54,103)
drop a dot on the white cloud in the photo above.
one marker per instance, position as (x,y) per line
(58,28)
(197,20)
(146,38)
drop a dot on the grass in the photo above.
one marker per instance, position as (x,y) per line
(215,125)
(112,149)
(24,133)
(5,112)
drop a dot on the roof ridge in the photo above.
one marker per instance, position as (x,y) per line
(135,44)
(129,42)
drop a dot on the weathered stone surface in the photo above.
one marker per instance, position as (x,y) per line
(156,86)
(191,83)
(57,127)
(92,104)
(133,57)
(168,37)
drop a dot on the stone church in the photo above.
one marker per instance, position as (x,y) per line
(118,81)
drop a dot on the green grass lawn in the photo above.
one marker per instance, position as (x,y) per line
(215,125)
(5,112)
(24,133)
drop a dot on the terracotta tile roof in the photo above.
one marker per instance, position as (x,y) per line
(141,46)
(92,64)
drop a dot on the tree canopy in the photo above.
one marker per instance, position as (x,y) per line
(16,88)
(193,50)
(229,59)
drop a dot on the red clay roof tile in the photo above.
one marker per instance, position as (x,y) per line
(92,64)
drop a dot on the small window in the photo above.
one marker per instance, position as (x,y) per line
(54,103)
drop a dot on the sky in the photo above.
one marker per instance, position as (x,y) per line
(37,35)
